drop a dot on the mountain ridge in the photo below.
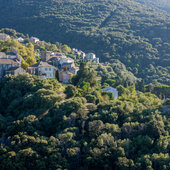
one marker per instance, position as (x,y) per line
(136,35)
(160,4)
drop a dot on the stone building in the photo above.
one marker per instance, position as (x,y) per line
(4,37)
(34,40)
(92,57)
(10,63)
(15,71)
(42,70)
(64,76)
(48,56)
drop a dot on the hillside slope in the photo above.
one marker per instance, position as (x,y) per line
(137,36)
(161,4)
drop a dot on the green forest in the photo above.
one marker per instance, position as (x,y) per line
(135,34)
(48,125)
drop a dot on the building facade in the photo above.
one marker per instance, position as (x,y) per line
(4,37)
(64,76)
(34,40)
(15,71)
(42,70)
(92,57)
(10,63)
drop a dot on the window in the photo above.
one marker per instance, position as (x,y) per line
(46,69)
(49,69)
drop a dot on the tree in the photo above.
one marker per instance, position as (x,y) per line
(84,75)
(95,127)
(70,91)
(66,49)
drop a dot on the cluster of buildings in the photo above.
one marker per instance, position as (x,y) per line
(10,63)
(52,64)
(88,57)
(5,37)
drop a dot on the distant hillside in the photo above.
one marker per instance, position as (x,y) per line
(161,4)
(136,35)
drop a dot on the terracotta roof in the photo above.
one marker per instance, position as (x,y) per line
(8,61)
(42,64)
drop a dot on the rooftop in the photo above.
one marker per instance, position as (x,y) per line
(7,61)
(34,38)
(13,68)
(11,53)
(42,64)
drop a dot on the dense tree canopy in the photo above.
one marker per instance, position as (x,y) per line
(42,129)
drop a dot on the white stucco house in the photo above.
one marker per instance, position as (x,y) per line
(20,39)
(90,56)
(34,40)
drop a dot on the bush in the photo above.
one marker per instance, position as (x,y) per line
(91,98)
(110,94)
(70,91)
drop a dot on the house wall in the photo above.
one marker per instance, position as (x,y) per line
(19,71)
(34,40)
(46,72)
(3,68)
(64,77)
(16,72)
(45,55)
(4,37)
(90,56)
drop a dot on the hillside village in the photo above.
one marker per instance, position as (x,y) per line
(62,109)
(50,63)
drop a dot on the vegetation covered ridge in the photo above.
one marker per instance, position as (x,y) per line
(137,35)
(45,124)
